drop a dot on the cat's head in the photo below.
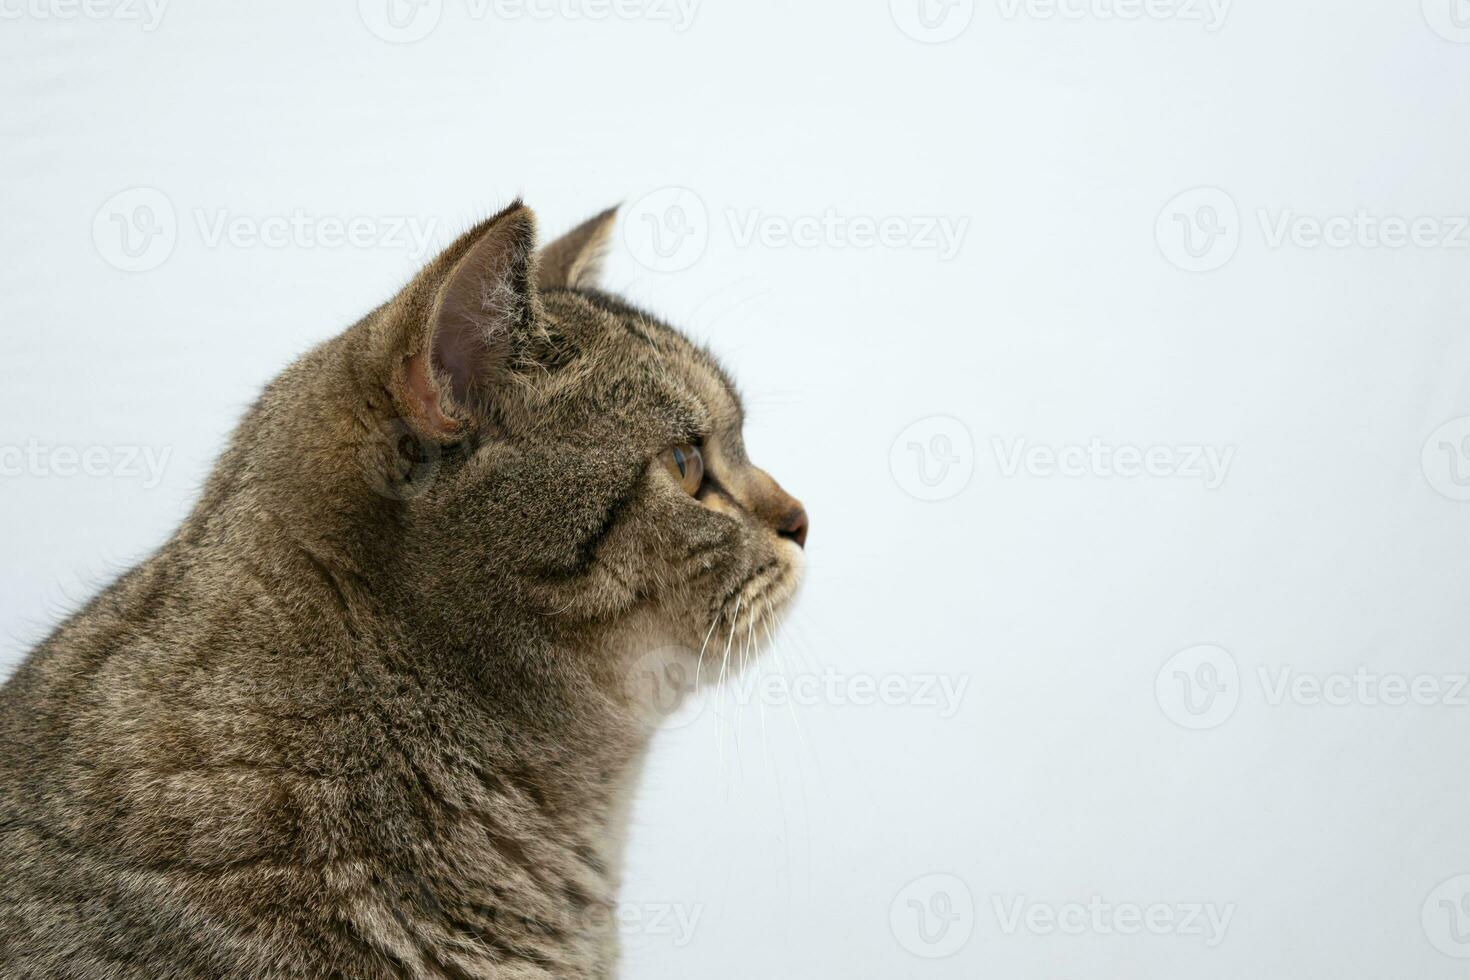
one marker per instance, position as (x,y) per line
(537,458)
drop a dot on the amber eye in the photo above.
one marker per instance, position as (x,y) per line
(685,464)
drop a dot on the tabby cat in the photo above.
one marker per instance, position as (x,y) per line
(367,713)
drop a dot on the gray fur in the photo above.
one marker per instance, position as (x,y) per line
(367,713)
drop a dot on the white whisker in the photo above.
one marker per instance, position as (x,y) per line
(725,660)
(700,662)
(724,665)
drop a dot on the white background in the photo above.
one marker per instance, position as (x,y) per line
(1072,769)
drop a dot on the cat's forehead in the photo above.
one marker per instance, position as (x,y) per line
(632,340)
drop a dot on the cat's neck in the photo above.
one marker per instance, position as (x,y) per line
(520,738)
(494,795)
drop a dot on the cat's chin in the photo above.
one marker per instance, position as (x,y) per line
(660,675)
(751,614)
(760,603)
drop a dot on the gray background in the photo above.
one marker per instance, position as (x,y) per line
(1094,754)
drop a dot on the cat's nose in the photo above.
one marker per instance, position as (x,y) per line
(793,526)
(771,505)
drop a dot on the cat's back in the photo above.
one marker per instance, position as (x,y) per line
(72,903)
(196,783)
(145,821)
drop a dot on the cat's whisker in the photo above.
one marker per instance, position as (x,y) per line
(760,701)
(807,750)
(700,661)
(724,667)
(780,657)
(725,660)
(784,669)
(779,653)
(743,694)
(737,674)
(800,645)
(558,612)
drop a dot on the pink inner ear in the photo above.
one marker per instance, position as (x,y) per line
(486,296)
(459,349)
(477,307)
(425,392)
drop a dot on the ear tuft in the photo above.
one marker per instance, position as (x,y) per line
(574,261)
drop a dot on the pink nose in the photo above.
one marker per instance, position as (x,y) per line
(794,525)
(772,506)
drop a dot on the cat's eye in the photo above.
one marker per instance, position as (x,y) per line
(685,464)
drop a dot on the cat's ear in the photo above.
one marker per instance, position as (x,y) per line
(574,261)
(481,303)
